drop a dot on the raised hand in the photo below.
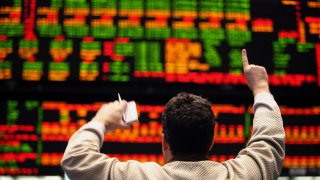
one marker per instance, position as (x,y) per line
(256,76)
(111,115)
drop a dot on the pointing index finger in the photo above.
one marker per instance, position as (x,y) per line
(245,61)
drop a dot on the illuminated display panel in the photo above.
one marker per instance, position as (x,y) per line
(35,133)
(160,43)
(181,41)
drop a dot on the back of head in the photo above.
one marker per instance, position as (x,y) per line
(188,124)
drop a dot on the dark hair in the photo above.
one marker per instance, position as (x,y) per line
(188,124)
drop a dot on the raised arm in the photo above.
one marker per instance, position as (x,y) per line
(264,154)
(82,158)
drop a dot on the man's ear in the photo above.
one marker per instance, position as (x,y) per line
(165,145)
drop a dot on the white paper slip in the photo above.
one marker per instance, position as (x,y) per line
(130,114)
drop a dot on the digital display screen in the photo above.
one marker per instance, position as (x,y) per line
(60,59)
(183,41)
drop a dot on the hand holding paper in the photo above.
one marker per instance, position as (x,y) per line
(117,114)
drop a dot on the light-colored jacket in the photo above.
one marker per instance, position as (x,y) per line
(261,159)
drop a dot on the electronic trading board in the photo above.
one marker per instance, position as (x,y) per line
(185,41)
(60,59)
